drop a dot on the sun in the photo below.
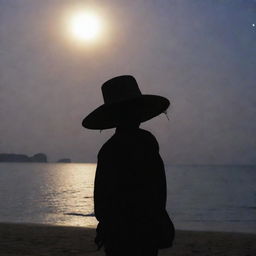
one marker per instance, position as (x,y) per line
(85,25)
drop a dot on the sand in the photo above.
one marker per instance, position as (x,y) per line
(33,239)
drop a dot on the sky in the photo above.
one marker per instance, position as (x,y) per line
(200,54)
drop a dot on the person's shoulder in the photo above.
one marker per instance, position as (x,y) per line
(148,137)
(120,141)
(146,134)
(106,146)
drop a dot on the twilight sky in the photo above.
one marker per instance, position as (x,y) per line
(201,54)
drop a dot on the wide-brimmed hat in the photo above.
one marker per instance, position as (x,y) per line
(123,99)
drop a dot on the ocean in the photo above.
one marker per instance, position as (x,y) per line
(214,198)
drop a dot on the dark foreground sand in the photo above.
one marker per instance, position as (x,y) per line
(32,239)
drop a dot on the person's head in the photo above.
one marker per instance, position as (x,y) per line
(129,122)
(124,105)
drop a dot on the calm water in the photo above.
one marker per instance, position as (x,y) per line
(199,197)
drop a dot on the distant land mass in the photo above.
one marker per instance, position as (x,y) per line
(64,160)
(37,158)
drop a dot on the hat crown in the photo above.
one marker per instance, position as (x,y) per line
(120,88)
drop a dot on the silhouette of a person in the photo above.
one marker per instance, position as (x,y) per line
(130,182)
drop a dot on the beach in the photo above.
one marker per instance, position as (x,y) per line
(38,239)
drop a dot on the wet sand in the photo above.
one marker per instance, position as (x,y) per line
(33,239)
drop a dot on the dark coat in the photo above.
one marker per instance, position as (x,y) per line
(130,188)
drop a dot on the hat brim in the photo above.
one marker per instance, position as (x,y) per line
(143,108)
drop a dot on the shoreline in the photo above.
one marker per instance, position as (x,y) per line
(29,239)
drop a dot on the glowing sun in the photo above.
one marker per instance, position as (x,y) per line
(85,25)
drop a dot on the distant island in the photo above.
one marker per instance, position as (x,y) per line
(64,160)
(37,158)
(22,158)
